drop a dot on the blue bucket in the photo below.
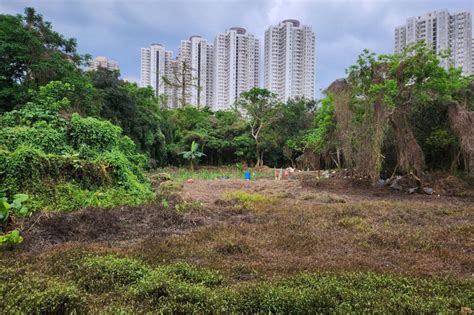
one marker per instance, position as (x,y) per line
(247,175)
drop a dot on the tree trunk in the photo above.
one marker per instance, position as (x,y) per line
(462,122)
(410,157)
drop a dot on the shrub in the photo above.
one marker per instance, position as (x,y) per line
(67,163)
(108,273)
(31,293)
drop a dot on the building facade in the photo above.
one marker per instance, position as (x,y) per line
(289,61)
(156,64)
(103,62)
(196,58)
(236,66)
(442,32)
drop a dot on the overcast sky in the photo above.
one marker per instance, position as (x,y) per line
(117,29)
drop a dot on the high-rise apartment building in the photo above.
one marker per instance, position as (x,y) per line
(156,63)
(441,31)
(236,66)
(103,62)
(196,54)
(289,60)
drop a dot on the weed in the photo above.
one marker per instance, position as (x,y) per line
(170,186)
(182,174)
(186,206)
(354,223)
(323,197)
(10,239)
(248,201)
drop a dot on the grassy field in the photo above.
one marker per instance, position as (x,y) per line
(211,173)
(227,245)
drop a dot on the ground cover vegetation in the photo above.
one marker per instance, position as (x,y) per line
(146,239)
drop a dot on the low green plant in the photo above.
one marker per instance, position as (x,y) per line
(107,273)
(248,200)
(186,206)
(11,238)
(16,207)
(131,286)
(33,293)
(170,186)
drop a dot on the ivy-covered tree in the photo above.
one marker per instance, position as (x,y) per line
(392,95)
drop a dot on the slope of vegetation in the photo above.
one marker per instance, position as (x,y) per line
(67,162)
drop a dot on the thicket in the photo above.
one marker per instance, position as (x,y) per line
(401,113)
(64,161)
(87,283)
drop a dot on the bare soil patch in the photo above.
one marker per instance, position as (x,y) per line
(122,226)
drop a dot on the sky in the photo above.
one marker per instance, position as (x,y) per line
(119,28)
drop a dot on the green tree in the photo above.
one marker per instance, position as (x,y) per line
(31,55)
(262,108)
(136,110)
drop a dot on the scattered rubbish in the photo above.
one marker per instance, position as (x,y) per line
(412,190)
(283,173)
(380,183)
(190,181)
(394,183)
(427,190)
(248,176)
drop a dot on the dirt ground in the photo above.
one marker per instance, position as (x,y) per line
(301,225)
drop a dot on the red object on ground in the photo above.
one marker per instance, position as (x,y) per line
(190,181)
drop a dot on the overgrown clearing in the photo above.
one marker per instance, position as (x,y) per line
(84,228)
(234,245)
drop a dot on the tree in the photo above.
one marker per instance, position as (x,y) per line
(193,155)
(404,96)
(31,55)
(183,81)
(134,109)
(262,108)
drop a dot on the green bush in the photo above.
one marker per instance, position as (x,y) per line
(107,273)
(31,293)
(67,163)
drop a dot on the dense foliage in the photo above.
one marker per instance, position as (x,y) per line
(392,114)
(65,161)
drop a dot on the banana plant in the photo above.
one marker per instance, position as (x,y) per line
(193,155)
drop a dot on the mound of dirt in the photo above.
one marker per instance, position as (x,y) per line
(453,186)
